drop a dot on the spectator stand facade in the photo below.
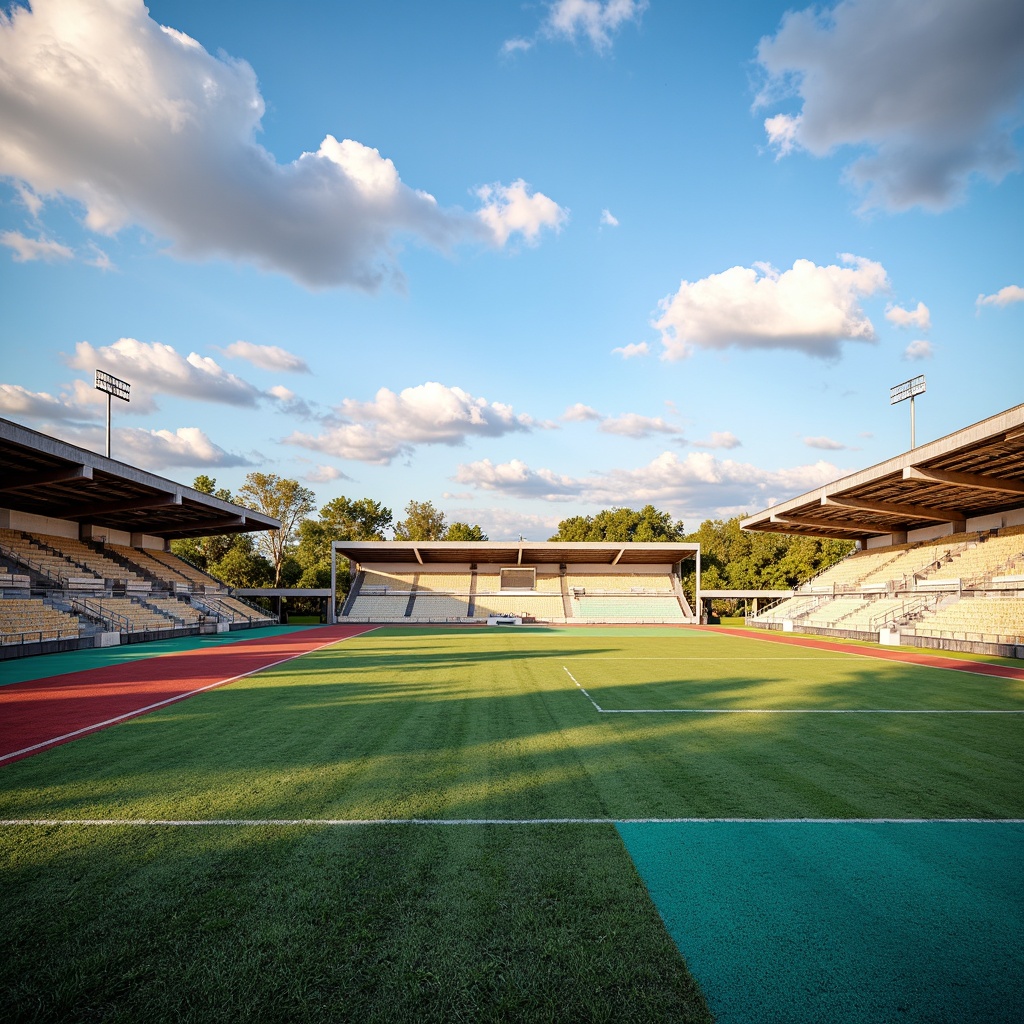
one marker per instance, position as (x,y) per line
(84,551)
(509,583)
(940,559)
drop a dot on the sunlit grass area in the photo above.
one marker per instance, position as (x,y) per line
(451,922)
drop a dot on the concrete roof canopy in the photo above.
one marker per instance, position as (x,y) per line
(974,472)
(46,477)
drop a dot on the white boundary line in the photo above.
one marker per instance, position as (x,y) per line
(786,711)
(172,700)
(335,822)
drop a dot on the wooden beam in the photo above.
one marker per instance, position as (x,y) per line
(228,523)
(53,476)
(889,509)
(128,505)
(827,524)
(615,561)
(419,557)
(975,480)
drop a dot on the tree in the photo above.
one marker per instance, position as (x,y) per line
(622,525)
(340,519)
(242,565)
(422,522)
(282,499)
(203,552)
(359,519)
(463,531)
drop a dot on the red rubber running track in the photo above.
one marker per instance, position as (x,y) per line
(38,714)
(981,668)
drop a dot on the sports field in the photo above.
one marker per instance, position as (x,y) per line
(615,824)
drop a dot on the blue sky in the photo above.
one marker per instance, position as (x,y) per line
(525,260)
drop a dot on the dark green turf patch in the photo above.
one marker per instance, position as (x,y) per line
(18,670)
(393,923)
(844,922)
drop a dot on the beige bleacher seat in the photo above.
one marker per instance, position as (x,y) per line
(538,606)
(55,567)
(379,607)
(852,569)
(176,609)
(444,582)
(144,560)
(182,568)
(1000,555)
(24,620)
(992,618)
(834,612)
(647,583)
(81,554)
(436,607)
(790,608)
(625,608)
(127,615)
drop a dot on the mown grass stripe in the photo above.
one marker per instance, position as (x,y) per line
(289,822)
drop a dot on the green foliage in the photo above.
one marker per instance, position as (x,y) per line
(242,565)
(622,525)
(463,531)
(734,559)
(355,519)
(203,552)
(283,499)
(422,522)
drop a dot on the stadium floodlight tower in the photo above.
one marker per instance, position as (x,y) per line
(114,387)
(908,389)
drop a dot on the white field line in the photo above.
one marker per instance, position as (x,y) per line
(172,700)
(584,692)
(786,711)
(335,822)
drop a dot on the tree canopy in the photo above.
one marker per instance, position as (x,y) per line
(283,499)
(622,525)
(422,522)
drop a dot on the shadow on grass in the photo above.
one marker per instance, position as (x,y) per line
(371,924)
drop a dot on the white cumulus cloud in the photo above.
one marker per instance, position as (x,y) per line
(26,249)
(516,479)
(513,208)
(394,424)
(580,413)
(632,350)
(720,439)
(808,308)
(916,350)
(267,357)
(825,444)
(698,481)
(139,124)
(159,368)
(609,219)
(920,317)
(1004,297)
(166,449)
(632,424)
(571,20)
(930,94)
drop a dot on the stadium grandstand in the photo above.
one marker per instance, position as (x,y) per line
(84,551)
(494,582)
(940,554)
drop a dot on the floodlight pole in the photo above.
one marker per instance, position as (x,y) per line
(908,389)
(112,387)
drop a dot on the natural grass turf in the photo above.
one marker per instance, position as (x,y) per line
(468,724)
(371,923)
(392,922)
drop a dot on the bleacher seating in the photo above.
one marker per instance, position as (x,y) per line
(645,583)
(126,615)
(538,606)
(438,607)
(379,607)
(182,568)
(25,620)
(188,615)
(54,567)
(82,555)
(997,618)
(625,608)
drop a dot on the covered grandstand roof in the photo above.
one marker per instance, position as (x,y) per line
(974,472)
(440,552)
(46,477)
